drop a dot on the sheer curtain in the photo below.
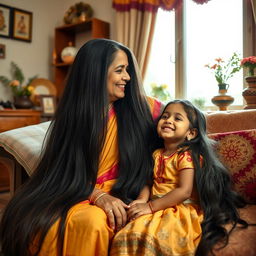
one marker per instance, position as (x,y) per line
(135,22)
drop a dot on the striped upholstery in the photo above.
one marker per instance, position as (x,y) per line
(25,144)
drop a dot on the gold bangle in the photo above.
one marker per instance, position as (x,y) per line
(151,206)
(94,195)
(98,197)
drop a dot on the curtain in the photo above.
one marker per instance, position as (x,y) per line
(254,9)
(135,23)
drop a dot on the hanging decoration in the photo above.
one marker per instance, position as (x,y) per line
(149,5)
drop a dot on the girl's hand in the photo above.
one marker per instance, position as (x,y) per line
(115,210)
(137,210)
(137,201)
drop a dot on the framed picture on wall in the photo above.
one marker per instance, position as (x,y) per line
(5,20)
(2,51)
(48,104)
(22,25)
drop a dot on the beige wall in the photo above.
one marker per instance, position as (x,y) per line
(35,57)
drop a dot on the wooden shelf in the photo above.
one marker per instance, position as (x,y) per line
(62,64)
(67,33)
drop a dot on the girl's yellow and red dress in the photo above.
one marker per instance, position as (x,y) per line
(174,231)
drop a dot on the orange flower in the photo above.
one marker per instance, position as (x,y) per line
(224,70)
(14,83)
(219,60)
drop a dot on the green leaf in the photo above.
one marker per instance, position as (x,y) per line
(17,72)
(5,80)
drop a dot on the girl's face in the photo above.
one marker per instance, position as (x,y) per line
(117,76)
(173,125)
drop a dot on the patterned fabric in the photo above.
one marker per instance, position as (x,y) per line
(174,231)
(149,5)
(237,150)
(25,144)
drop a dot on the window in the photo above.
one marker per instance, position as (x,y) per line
(188,39)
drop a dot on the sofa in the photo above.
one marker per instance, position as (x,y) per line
(235,132)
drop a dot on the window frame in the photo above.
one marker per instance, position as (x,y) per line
(249,47)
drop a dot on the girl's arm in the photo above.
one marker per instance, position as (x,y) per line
(179,194)
(143,196)
(174,197)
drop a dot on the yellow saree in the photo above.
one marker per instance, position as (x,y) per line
(175,231)
(87,232)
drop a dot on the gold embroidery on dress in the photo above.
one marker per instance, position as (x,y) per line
(182,241)
(163,234)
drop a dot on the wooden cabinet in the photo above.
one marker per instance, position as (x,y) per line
(12,119)
(94,28)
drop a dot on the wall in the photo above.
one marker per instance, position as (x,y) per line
(36,57)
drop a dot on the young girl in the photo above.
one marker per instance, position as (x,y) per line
(191,197)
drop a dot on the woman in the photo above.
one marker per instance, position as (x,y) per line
(96,160)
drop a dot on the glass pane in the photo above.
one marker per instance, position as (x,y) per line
(161,68)
(213,30)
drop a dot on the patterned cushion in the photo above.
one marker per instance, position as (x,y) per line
(237,150)
(25,144)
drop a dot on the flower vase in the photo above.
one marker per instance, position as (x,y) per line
(23,101)
(249,93)
(222,100)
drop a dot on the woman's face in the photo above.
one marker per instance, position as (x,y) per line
(117,76)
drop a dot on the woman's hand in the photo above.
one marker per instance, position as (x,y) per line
(115,210)
(138,209)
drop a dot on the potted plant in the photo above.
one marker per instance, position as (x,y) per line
(249,93)
(21,92)
(224,70)
(250,63)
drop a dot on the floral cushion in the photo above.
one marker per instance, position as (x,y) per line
(237,150)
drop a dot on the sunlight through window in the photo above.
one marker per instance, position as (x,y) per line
(210,31)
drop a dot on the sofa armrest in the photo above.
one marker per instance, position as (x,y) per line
(25,144)
(231,120)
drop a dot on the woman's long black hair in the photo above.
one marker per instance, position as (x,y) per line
(68,168)
(218,200)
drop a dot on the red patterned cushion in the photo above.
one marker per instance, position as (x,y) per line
(237,150)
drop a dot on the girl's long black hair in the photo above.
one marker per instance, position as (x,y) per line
(68,167)
(218,200)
